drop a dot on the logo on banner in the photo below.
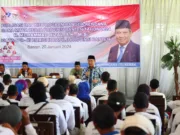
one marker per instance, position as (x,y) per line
(13,14)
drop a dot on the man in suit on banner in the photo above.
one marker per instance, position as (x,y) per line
(126,50)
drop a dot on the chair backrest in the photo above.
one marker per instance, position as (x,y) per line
(44,128)
(4,96)
(88,102)
(56,74)
(44,118)
(77,117)
(159,102)
(176,98)
(97,97)
(34,75)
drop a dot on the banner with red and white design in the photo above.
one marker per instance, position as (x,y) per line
(57,36)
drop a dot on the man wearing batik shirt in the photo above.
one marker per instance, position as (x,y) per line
(92,73)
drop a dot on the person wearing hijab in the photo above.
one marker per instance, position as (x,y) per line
(22,88)
(83,93)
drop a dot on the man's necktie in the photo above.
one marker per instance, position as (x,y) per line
(120,54)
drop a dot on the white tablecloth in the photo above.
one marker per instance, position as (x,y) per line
(50,80)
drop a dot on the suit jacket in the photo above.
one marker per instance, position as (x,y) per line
(131,54)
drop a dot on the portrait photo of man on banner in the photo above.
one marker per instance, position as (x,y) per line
(126,50)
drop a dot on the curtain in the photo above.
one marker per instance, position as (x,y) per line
(160,19)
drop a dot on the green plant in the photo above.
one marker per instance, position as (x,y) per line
(172,59)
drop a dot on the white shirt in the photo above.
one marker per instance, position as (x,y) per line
(174,104)
(151,109)
(26,101)
(158,121)
(4,102)
(175,122)
(24,95)
(177,131)
(65,105)
(99,90)
(51,109)
(14,101)
(29,129)
(48,96)
(5,88)
(174,112)
(75,102)
(159,94)
(124,48)
(5,131)
(90,130)
(93,103)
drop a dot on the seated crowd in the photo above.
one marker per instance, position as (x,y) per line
(103,109)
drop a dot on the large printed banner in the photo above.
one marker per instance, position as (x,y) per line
(57,36)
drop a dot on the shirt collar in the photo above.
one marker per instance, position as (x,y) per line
(125,46)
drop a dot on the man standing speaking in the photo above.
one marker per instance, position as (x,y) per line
(126,50)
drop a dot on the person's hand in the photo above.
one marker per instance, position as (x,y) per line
(95,81)
(25,118)
(87,74)
(6,125)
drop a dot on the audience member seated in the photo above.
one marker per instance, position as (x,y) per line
(154,84)
(101,88)
(57,97)
(177,131)
(16,118)
(38,93)
(12,94)
(44,80)
(72,98)
(6,81)
(151,108)
(117,102)
(65,84)
(2,102)
(83,94)
(141,104)
(25,70)
(137,125)
(22,89)
(104,120)
(112,87)
(77,70)
(3,70)
(29,83)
